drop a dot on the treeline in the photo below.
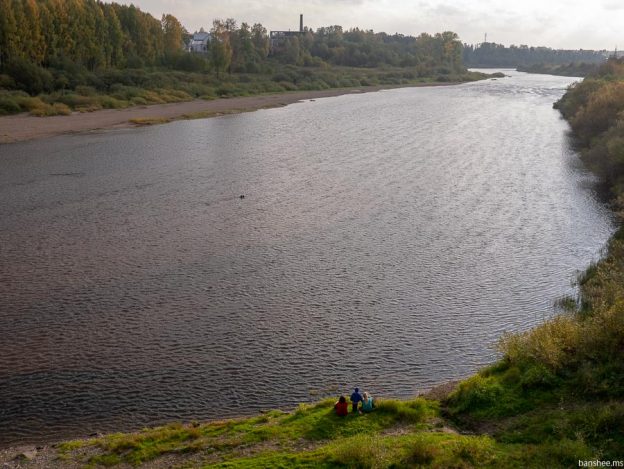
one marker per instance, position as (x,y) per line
(360,48)
(595,110)
(572,69)
(58,56)
(490,54)
(58,44)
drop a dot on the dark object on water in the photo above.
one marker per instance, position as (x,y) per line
(241,197)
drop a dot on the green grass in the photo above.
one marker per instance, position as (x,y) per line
(397,434)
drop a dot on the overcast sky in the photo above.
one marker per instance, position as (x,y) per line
(567,24)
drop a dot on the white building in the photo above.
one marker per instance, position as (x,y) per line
(199,42)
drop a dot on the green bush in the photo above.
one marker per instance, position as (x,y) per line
(138,101)
(476,393)
(361,452)
(6,82)
(108,102)
(413,411)
(8,105)
(478,451)
(30,77)
(76,100)
(29,103)
(420,453)
(61,109)
(537,376)
(86,90)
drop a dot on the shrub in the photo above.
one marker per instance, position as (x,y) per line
(362,452)
(288,86)
(30,77)
(420,452)
(6,81)
(108,102)
(124,93)
(138,101)
(476,393)
(600,112)
(175,95)
(537,376)
(152,97)
(42,111)
(85,90)
(403,411)
(28,103)
(8,105)
(478,451)
(61,109)
(549,344)
(76,100)
(227,89)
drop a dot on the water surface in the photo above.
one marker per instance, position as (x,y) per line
(385,240)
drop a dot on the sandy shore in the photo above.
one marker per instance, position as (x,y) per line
(23,127)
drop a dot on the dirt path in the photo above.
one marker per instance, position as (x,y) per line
(22,127)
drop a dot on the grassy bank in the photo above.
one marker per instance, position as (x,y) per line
(135,87)
(397,434)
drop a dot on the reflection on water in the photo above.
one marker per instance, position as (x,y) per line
(385,240)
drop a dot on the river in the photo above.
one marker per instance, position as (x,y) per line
(385,240)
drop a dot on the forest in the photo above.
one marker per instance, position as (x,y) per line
(62,55)
(490,54)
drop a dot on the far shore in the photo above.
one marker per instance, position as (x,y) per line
(22,127)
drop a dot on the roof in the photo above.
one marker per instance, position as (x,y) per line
(201,36)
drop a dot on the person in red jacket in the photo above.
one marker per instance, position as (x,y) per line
(341,407)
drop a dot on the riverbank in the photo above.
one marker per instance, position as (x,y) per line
(420,432)
(21,127)
(404,433)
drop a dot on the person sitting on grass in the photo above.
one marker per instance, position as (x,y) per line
(368,403)
(341,407)
(356,398)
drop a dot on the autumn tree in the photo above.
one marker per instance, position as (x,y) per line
(220,48)
(172,35)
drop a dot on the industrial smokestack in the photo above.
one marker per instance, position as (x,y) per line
(300,23)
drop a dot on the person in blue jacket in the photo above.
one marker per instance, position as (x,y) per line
(356,398)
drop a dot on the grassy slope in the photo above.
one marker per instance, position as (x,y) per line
(398,434)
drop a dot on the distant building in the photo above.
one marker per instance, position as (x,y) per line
(278,38)
(199,42)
